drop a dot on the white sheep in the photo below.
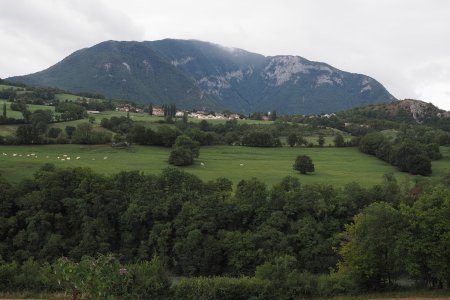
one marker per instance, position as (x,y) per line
(63,159)
(68,158)
(78,157)
(202,164)
(241,165)
(14,154)
(106,157)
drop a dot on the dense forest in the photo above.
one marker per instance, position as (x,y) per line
(368,237)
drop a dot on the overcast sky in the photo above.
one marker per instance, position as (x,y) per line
(404,44)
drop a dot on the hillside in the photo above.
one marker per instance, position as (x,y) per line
(408,111)
(201,75)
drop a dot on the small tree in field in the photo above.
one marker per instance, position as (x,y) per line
(304,164)
(292,139)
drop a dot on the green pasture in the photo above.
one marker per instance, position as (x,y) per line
(7,87)
(17,114)
(336,166)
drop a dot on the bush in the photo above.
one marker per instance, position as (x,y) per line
(221,288)
(181,157)
(149,280)
(304,164)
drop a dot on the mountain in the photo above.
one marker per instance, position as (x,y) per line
(202,75)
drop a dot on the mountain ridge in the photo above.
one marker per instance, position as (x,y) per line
(203,75)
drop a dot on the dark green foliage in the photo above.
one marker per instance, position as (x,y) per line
(181,157)
(320,140)
(184,151)
(184,141)
(406,154)
(70,111)
(18,106)
(287,235)
(69,131)
(221,288)
(260,139)
(85,134)
(54,132)
(339,140)
(303,164)
(292,139)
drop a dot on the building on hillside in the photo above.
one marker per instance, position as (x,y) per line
(158,111)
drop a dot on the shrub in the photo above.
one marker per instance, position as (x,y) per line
(181,157)
(304,164)
(221,288)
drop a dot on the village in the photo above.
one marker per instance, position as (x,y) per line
(199,114)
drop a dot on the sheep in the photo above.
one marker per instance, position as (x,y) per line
(78,157)
(65,155)
(14,154)
(106,157)
(241,165)
(68,158)
(63,159)
(202,164)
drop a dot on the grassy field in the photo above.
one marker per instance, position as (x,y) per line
(336,166)
(17,114)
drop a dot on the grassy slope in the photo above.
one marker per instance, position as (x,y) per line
(336,166)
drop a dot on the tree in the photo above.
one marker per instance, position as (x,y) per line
(304,164)
(69,131)
(321,140)
(184,141)
(339,140)
(292,139)
(150,109)
(181,157)
(273,115)
(370,250)
(4,110)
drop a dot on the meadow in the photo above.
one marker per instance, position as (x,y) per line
(336,166)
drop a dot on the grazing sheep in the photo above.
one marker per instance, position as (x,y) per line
(32,154)
(68,158)
(65,155)
(78,157)
(59,157)
(63,159)
(202,164)
(241,165)
(14,154)
(106,157)
(28,155)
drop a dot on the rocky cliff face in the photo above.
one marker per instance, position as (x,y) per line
(202,75)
